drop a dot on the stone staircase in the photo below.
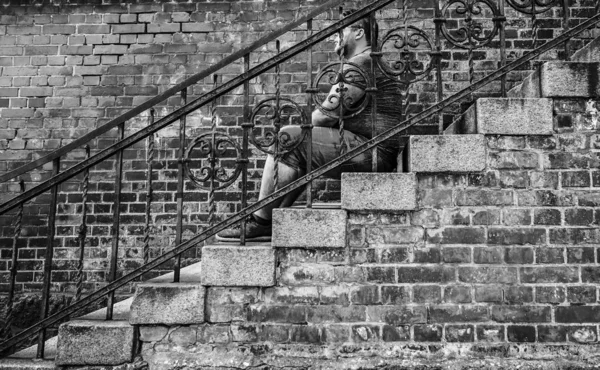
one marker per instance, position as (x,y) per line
(467,260)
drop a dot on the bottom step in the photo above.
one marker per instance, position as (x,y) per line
(95,343)
(26,364)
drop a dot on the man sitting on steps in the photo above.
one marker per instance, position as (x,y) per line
(354,43)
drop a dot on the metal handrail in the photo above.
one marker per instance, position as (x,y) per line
(168,93)
(190,107)
(183,247)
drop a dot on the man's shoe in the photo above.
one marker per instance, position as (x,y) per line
(255,232)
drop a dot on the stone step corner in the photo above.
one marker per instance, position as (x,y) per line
(447,153)
(309,228)
(554,79)
(570,79)
(508,116)
(168,304)
(379,191)
(92,342)
(238,266)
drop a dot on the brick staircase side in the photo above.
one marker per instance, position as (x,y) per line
(485,254)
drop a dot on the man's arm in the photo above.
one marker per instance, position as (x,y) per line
(331,103)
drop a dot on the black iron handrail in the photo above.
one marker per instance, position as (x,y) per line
(190,107)
(183,247)
(77,143)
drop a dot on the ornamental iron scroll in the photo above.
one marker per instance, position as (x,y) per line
(411,44)
(532,6)
(277,111)
(339,74)
(212,147)
(472,32)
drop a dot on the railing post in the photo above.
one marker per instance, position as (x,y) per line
(115,231)
(502,31)
(149,159)
(565,6)
(246,126)
(82,230)
(310,90)
(13,267)
(438,65)
(372,90)
(48,259)
(179,195)
(212,203)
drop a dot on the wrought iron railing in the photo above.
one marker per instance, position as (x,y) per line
(466,32)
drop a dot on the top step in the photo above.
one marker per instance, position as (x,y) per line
(560,80)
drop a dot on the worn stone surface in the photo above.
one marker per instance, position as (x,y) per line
(511,117)
(159,303)
(21,364)
(232,265)
(449,153)
(529,88)
(570,79)
(375,354)
(309,228)
(89,342)
(379,191)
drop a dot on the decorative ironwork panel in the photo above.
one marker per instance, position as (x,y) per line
(478,25)
(211,147)
(533,6)
(277,111)
(415,52)
(341,105)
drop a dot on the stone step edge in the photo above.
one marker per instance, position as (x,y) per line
(524,117)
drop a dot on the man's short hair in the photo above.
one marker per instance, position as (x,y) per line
(364,23)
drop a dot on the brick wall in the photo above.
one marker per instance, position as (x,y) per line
(495,266)
(66,68)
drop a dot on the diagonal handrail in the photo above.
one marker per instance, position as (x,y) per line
(192,106)
(168,93)
(183,247)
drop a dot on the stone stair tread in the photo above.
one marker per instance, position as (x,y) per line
(253,265)
(328,205)
(25,364)
(556,79)
(327,228)
(189,273)
(506,116)
(30,352)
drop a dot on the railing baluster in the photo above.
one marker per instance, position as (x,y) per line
(372,90)
(566,16)
(82,230)
(277,121)
(212,205)
(341,90)
(149,159)
(13,268)
(246,125)
(48,259)
(438,65)
(502,31)
(310,90)
(179,195)
(115,232)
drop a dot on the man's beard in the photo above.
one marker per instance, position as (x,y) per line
(341,50)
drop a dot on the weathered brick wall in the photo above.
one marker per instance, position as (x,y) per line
(502,264)
(68,67)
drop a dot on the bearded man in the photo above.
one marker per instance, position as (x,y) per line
(353,44)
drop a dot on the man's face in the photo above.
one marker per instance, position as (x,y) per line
(346,39)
